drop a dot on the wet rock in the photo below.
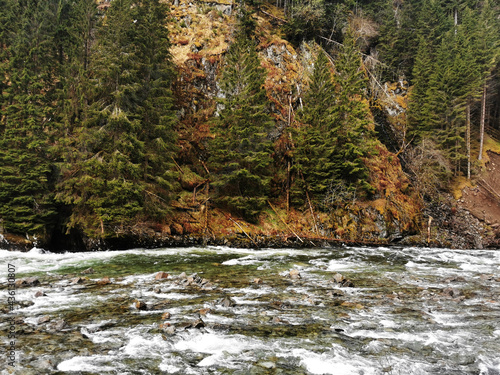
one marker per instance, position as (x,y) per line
(338,278)
(453,292)
(29,281)
(77,280)
(161,275)
(88,271)
(58,325)
(43,319)
(456,279)
(257,280)
(342,281)
(169,330)
(141,305)
(40,294)
(33,281)
(198,323)
(335,293)
(44,365)
(353,305)
(205,311)
(20,283)
(157,290)
(104,281)
(166,316)
(276,320)
(295,274)
(347,284)
(486,277)
(267,365)
(227,302)
(23,304)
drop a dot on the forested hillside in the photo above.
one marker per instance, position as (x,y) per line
(145,123)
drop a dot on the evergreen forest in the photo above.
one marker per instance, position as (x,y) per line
(136,121)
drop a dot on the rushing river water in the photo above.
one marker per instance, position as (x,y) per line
(400,311)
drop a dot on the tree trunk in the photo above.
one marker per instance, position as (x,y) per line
(468,138)
(481,123)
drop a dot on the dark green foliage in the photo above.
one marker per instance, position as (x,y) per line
(240,162)
(306,20)
(119,172)
(333,142)
(316,156)
(26,116)
(353,114)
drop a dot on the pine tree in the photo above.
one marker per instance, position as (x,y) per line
(316,152)
(119,172)
(156,74)
(240,161)
(353,114)
(26,170)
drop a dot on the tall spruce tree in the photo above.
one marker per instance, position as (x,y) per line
(240,161)
(28,86)
(316,147)
(120,170)
(353,114)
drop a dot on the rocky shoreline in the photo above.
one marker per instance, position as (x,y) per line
(469,239)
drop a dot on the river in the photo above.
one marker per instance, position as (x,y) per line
(241,311)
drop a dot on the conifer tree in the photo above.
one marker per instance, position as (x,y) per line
(240,161)
(120,172)
(353,114)
(26,117)
(316,146)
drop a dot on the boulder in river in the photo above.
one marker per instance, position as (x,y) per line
(58,325)
(104,281)
(77,280)
(88,271)
(227,302)
(166,316)
(40,294)
(342,281)
(161,275)
(295,274)
(29,281)
(43,319)
(205,311)
(141,305)
(168,329)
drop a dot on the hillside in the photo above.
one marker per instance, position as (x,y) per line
(315,145)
